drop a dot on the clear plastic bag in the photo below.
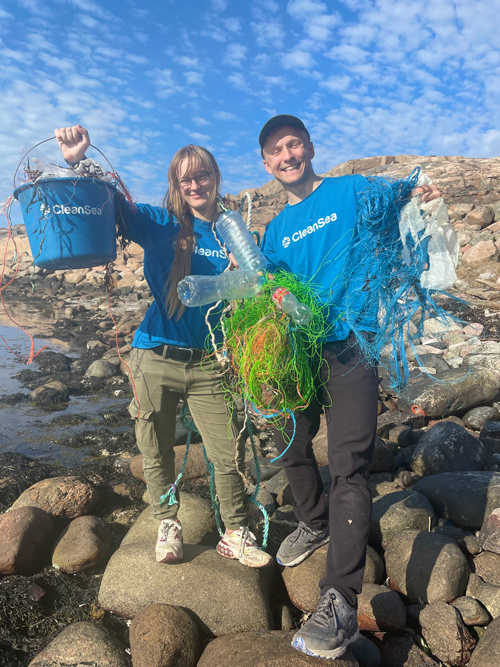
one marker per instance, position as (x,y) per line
(423,220)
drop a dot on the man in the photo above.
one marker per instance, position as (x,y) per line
(312,237)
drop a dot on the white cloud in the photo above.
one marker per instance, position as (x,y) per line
(185,61)
(219,5)
(298,60)
(269,34)
(193,78)
(224,115)
(235,54)
(233,25)
(201,122)
(199,137)
(164,82)
(336,83)
(237,80)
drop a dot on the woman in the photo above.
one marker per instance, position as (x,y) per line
(169,360)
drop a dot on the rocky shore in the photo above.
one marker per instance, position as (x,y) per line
(79,583)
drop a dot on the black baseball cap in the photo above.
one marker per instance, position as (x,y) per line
(278,121)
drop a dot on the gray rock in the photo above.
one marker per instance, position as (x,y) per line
(162,635)
(195,514)
(101,368)
(433,361)
(464,497)
(487,594)
(67,497)
(426,567)
(27,535)
(459,389)
(477,417)
(365,652)
(133,580)
(382,459)
(446,634)
(489,537)
(447,447)
(51,393)
(302,581)
(374,568)
(487,653)
(266,468)
(471,611)
(398,650)
(487,358)
(277,483)
(82,644)
(398,511)
(487,566)
(490,430)
(380,609)
(83,544)
(263,649)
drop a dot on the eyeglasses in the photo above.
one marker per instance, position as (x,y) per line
(201,179)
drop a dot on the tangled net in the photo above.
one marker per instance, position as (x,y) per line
(276,364)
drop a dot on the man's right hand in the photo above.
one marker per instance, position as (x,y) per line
(73,142)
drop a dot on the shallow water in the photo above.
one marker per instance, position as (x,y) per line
(24,427)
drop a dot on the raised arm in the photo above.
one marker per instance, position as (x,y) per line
(73,142)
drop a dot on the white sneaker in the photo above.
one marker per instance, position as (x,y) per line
(241,545)
(169,542)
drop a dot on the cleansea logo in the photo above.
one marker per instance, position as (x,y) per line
(206,252)
(60,209)
(302,233)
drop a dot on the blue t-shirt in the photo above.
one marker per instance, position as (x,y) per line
(314,238)
(153,229)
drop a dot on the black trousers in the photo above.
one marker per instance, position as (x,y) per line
(350,394)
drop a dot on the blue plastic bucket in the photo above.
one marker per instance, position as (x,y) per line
(70,222)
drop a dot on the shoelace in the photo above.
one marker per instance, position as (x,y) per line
(303,528)
(326,611)
(166,528)
(247,539)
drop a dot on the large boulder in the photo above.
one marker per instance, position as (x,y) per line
(458,389)
(398,650)
(82,644)
(380,609)
(487,566)
(426,567)
(466,498)
(263,649)
(101,368)
(446,634)
(51,393)
(195,514)
(26,538)
(66,497)
(302,581)
(489,537)
(398,511)
(487,594)
(164,636)
(83,544)
(486,357)
(471,611)
(487,653)
(447,447)
(203,582)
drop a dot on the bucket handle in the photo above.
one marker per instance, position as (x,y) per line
(50,139)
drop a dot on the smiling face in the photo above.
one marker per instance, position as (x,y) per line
(287,153)
(197,187)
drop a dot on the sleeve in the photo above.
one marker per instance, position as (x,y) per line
(268,248)
(142,223)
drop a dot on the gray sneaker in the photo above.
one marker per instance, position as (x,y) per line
(300,544)
(331,628)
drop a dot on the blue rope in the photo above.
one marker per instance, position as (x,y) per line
(253,497)
(171,495)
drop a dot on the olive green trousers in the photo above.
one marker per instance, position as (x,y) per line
(160,384)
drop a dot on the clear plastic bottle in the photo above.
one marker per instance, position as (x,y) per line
(240,242)
(197,291)
(289,304)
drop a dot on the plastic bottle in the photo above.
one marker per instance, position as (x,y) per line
(289,304)
(197,291)
(240,242)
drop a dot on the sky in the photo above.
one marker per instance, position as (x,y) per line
(368,77)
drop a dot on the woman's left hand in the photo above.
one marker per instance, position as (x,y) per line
(428,192)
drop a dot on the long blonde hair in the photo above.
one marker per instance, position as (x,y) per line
(199,159)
